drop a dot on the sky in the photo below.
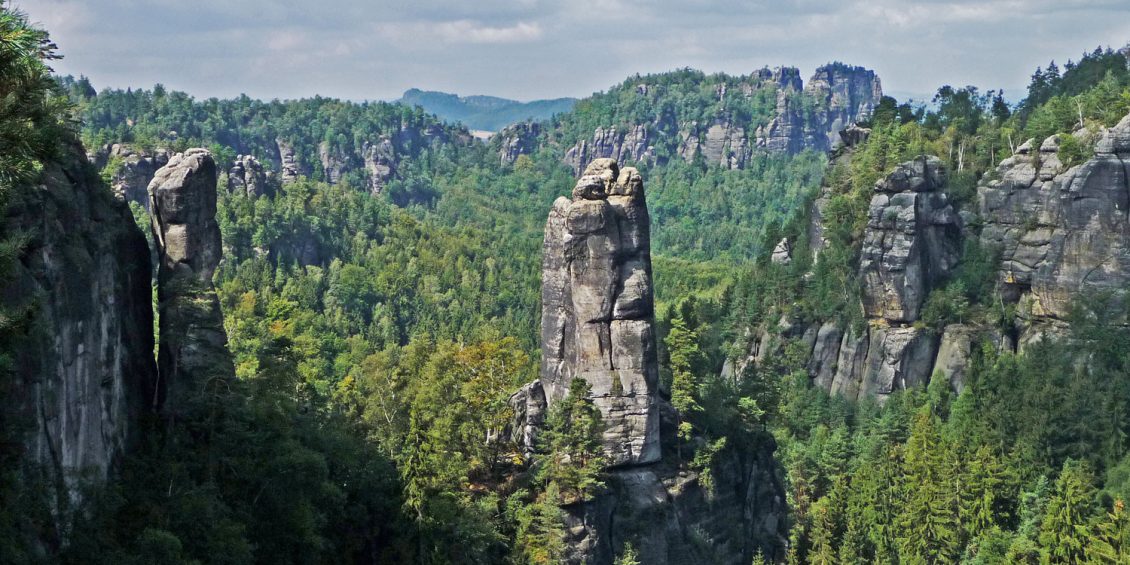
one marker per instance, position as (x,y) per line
(530,49)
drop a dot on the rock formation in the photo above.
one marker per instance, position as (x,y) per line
(841,96)
(289,170)
(597,325)
(912,241)
(380,163)
(247,175)
(193,350)
(1060,231)
(518,139)
(134,168)
(597,310)
(80,297)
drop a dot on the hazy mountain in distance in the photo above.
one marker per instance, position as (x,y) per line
(488,113)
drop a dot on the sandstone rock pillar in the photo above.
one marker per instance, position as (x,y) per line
(597,307)
(193,352)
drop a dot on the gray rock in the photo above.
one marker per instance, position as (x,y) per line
(380,163)
(288,165)
(782,253)
(529,407)
(850,365)
(517,140)
(959,343)
(1061,232)
(248,175)
(825,355)
(898,359)
(83,375)
(135,170)
(911,243)
(193,352)
(598,310)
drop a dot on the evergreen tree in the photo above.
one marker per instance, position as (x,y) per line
(1065,531)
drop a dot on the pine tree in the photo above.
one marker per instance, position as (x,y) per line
(575,458)
(684,352)
(928,521)
(1110,542)
(1065,531)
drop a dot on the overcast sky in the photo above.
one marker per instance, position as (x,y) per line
(526,49)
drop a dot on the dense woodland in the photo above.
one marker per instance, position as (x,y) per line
(341,441)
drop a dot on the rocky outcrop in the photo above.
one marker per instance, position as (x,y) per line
(1061,231)
(671,518)
(627,146)
(519,139)
(247,175)
(804,117)
(912,241)
(193,352)
(844,95)
(289,170)
(78,301)
(133,169)
(597,325)
(380,163)
(597,309)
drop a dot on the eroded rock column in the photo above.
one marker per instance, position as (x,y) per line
(193,350)
(597,307)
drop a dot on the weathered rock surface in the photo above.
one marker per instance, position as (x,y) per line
(248,175)
(289,170)
(380,163)
(134,169)
(1061,231)
(671,519)
(517,140)
(193,350)
(597,307)
(841,95)
(597,324)
(83,370)
(912,241)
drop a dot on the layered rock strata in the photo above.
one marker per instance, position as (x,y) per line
(193,350)
(1061,231)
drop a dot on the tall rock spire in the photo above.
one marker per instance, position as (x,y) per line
(193,346)
(597,307)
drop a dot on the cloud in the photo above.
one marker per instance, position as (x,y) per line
(365,49)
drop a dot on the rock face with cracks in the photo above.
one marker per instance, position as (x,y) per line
(597,307)
(193,351)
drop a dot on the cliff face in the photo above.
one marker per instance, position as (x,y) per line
(1062,233)
(598,325)
(804,117)
(193,350)
(84,370)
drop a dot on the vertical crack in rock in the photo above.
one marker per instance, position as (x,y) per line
(193,352)
(598,307)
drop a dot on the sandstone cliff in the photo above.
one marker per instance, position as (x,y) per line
(802,117)
(598,325)
(1061,233)
(83,368)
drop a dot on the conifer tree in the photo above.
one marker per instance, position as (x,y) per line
(1065,531)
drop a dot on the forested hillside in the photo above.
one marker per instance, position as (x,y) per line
(1015,450)
(485,113)
(879,333)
